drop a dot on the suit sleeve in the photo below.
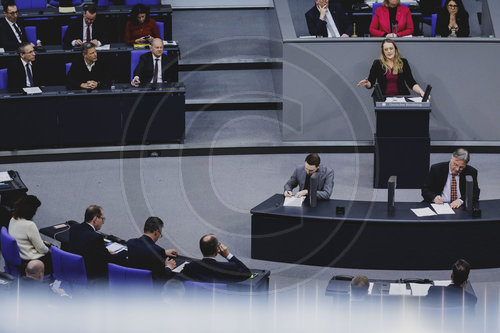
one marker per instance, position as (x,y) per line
(292,182)
(240,267)
(374,73)
(69,36)
(326,192)
(73,80)
(375,25)
(139,69)
(409,79)
(316,26)
(427,189)
(408,29)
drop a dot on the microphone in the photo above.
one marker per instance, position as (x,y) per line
(394,27)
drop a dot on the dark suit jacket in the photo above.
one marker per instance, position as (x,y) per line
(8,40)
(17,75)
(437,180)
(75,31)
(381,23)
(90,245)
(211,270)
(443,20)
(325,181)
(450,296)
(145,68)
(317,27)
(377,74)
(143,253)
(79,73)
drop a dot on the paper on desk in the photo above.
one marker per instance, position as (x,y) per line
(32,90)
(417,99)
(171,42)
(65,10)
(443,208)
(179,268)
(370,288)
(399,289)
(115,247)
(5,177)
(442,283)
(420,289)
(395,99)
(2,50)
(423,211)
(294,202)
(103,47)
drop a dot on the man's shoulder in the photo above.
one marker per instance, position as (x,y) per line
(469,169)
(312,12)
(439,166)
(146,55)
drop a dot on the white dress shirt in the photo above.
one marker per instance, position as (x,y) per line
(14,30)
(446,195)
(84,39)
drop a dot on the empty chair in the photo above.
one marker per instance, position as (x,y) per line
(69,268)
(131,278)
(3,78)
(10,253)
(31,34)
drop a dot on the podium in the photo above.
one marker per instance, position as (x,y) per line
(402,143)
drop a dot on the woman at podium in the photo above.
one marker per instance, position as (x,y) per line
(392,72)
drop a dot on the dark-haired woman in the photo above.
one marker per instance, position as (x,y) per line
(392,72)
(453,18)
(140,25)
(25,232)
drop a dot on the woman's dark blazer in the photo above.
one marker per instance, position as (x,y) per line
(443,20)
(377,74)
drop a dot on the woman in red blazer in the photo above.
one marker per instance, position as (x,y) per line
(391,11)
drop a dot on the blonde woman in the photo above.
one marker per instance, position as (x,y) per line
(391,20)
(392,72)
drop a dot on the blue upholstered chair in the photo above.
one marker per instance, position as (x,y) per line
(69,268)
(134,60)
(131,278)
(10,253)
(144,2)
(433,24)
(31,34)
(161,26)
(63,32)
(55,3)
(28,4)
(3,78)
(68,66)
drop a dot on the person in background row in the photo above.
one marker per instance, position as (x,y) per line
(391,20)
(25,232)
(359,287)
(153,67)
(85,30)
(86,72)
(140,28)
(12,34)
(392,72)
(453,18)
(328,19)
(23,71)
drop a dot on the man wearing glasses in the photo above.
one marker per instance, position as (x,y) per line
(85,30)
(446,181)
(85,240)
(11,33)
(144,253)
(24,72)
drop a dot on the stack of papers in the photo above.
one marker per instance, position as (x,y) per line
(294,202)
(32,90)
(443,208)
(395,100)
(419,289)
(179,268)
(115,247)
(5,177)
(420,212)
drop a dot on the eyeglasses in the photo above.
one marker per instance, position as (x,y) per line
(453,6)
(102,218)
(13,13)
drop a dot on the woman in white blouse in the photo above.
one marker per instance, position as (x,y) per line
(25,232)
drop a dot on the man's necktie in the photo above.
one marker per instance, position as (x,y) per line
(30,76)
(155,76)
(19,33)
(88,34)
(453,194)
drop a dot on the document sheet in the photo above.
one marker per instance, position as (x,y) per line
(399,289)
(115,247)
(420,212)
(443,208)
(5,177)
(419,289)
(179,268)
(294,202)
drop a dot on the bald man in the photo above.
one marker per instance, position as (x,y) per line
(153,67)
(35,270)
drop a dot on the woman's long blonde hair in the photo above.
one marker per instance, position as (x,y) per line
(397,62)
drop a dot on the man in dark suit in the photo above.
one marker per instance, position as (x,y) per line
(11,33)
(87,29)
(210,270)
(328,19)
(23,71)
(86,241)
(143,253)
(86,72)
(455,294)
(153,67)
(446,181)
(302,175)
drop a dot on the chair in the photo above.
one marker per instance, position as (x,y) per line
(68,66)
(103,3)
(123,277)
(69,268)
(31,34)
(134,60)
(144,2)
(161,26)
(63,32)
(3,79)
(10,253)
(55,3)
(378,4)
(433,24)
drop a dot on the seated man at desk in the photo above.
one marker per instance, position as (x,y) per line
(85,240)
(446,181)
(11,33)
(23,71)
(87,29)
(328,19)
(153,66)
(144,253)
(211,270)
(86,72)
(302,175)
(454,294)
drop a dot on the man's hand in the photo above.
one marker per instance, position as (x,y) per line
(39,43)
(223,250)
(171,253)
(344,35)
(391,35)
(287,194)
(78,42)
(47,244)
(438,199)
(301,193)
(95,42)
(170,263)
(141,40)
(455,204)
(323,9)
(135,81)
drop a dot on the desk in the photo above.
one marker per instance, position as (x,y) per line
(49,21)
(370,237)
(125,115)
(117,58)
(13,190)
